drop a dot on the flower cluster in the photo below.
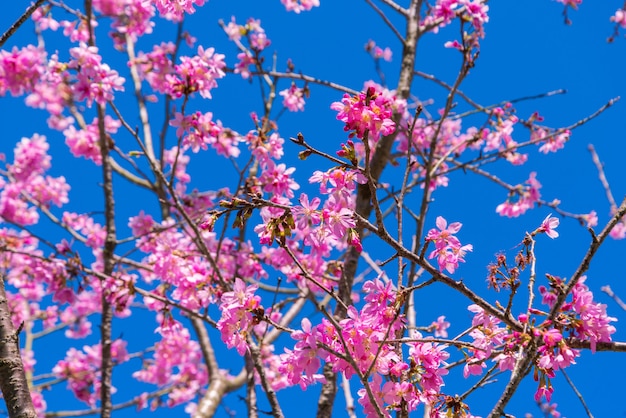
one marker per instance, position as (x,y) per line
(199,130)
(81,369)
(95,81)
(196,74)
(445,11)
(357,346)
(550,141)
(366,113)
(239,308)
(20,69)
(619,17)
(580,318)
(377,52)
(257,39)
(521,198)
(448,248)
(86,142)
(176,363)
(298,6)
(26,184)
(130,18)
(175,9)
(293,98)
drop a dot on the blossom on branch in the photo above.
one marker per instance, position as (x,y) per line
(448,248)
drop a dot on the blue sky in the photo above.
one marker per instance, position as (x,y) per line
(528,50)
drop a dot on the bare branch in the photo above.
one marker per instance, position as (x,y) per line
(19,22)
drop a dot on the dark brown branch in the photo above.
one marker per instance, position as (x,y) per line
(363,205)
(19,22)
(13,381)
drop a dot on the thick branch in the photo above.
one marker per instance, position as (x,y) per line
(364,197)
(12,376)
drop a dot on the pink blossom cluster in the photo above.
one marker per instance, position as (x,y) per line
(176,363)
(85,142)
(521,199)
(81,369)
(175,260)
(377,52)
(156,66)
(579,318)
(196,74)
(448,248)
(77,30)
(487,334)
(53,93)
(199,130)
(277,179)
(368,113)
(293,98)
(95,81)
(20,69)
(619,17)
(130,18)
(445,11)
(501,139)
(587,320)
(298,6)
(257,40)
(239,308)
(336,217)
(358,345)
(32,275)
(175,10)
(550,141)
(24,184)
(263,147)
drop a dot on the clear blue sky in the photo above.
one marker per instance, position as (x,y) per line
(528,50)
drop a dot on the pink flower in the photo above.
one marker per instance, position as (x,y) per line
(548,226)
(95,81)
(527,196)
(619,230)
(293,98)
(175,9)
(544,391)
(440,326)
(448,248)
(366,112)
(591,218)
(619,17)
(20,69)
(299,5)
(554,142)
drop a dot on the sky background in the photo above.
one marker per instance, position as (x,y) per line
(528,50)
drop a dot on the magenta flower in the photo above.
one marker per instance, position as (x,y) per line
(448,248)
(548,226)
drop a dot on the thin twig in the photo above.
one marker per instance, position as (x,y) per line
(602,176)
(385,19)
(577,392)
(607,289)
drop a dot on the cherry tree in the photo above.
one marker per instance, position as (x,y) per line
(261,259)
